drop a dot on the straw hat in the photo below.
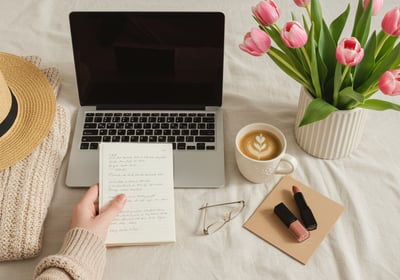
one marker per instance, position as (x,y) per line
(27,108)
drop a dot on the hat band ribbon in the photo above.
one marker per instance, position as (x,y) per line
(12,115)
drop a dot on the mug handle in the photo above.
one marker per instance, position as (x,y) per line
(288,166)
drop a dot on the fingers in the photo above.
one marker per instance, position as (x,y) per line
(113,208)
(91,195)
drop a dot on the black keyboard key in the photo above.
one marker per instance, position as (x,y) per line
(84,146)
(94,146)
(125,139)
(91,139)
(121,132)
(162,139)
(112,132)
(134,138)
(107,138)
(205,139)
(90,125)
(116,139)
(91,132)
(103,131)
(201,146)
(207,132)
(152,138)
(143,138)
(190,147)
(210,148)
(181,146)
(208,120)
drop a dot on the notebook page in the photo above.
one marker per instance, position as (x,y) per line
(144,173)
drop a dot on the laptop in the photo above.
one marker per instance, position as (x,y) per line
(150,77)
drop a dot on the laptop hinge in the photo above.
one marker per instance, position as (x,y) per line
(150,107)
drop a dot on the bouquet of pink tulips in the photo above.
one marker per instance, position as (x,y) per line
(341,73)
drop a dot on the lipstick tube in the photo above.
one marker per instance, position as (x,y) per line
(291,222)
(305,212)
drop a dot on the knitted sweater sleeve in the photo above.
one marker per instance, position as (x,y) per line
(82,256)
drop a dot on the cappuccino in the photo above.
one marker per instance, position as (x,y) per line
(260,145)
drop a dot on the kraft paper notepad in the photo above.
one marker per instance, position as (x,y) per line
(144,172)
(266,225)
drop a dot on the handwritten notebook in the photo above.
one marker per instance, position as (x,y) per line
(144,172)
(264,223)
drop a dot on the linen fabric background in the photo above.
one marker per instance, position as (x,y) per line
(363,244)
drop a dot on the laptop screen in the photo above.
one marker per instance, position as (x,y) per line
(148,59)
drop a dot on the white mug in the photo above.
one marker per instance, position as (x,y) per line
(263,170)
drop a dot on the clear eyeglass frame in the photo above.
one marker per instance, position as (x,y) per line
(228,216)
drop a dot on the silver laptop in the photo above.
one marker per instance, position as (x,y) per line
(150,77)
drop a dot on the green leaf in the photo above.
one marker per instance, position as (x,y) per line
(364,69)
(317,110)
(305,24)
(387,46)
(348,98)
(316,17)
(337,83)
(314,67)
(338,24)
(379,105)
(363,25)
(359,13)
(274,33)
(280,59)
(387,63)
(327,50)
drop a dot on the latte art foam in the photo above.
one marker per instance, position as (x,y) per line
(260,145)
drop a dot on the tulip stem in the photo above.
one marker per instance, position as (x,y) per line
(345,72)
(272,53)
(308,10)
(303,50)
(380,45)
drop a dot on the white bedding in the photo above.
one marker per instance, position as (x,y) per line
(364,243)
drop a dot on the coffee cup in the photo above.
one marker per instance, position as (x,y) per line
(260,151)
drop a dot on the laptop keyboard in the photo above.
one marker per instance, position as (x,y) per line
(186,131)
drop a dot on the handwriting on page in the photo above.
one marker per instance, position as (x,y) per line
(142,179)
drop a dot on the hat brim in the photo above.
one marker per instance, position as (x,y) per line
(36,109)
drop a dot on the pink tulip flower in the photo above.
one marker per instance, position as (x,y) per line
(389,83)
(376,6)
(302,3)
(391,22)
(293,35)
(256,42)
(349,52)
(267,12)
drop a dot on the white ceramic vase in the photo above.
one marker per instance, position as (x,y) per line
(334,137)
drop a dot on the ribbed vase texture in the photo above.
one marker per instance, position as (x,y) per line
(332,138)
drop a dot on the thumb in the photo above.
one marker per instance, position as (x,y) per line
(113,208)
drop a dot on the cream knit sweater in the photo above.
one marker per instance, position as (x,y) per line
(82,256)
(26,188)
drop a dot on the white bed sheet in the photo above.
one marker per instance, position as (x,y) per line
(364,243)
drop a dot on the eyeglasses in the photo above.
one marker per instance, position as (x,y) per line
(228,216)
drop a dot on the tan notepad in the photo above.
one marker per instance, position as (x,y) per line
(266,225)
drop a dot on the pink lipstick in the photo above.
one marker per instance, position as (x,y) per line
(305,212)
(291,222)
